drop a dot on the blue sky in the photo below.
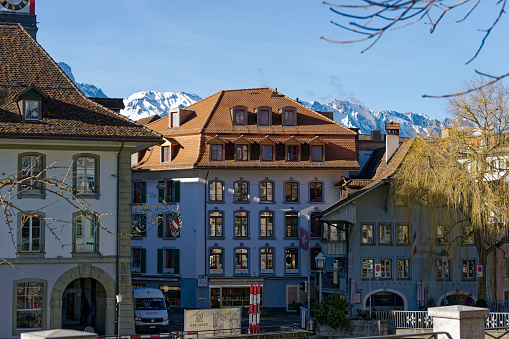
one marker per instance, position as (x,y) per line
(203,46)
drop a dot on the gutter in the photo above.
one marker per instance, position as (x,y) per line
(118,219)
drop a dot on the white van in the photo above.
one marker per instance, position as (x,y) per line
(150,314)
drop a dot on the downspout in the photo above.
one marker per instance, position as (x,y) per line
(118,219)
(205,222)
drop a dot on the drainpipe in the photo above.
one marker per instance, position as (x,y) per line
(205,221)
(118,230)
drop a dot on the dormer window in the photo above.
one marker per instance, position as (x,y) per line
(32,110)
(216,152)
(317,153)
(239,115)
(292,152)
(289,116)
(241,152)
(175,121)
(30,104)
(264,116)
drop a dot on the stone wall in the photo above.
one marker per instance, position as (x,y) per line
(355,329)
(299,334)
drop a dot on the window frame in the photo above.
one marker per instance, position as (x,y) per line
(215,153)
(32,192)
(244,198)
(164,226)
(25,103)
(216,191)
(138,218)
(139,192)
(97,177)
(447,270)
(172,191)
(467,240)
(367,242)
(288,198)
(220,216)
(259,116)
(272,228)
(215,270)
(272,261)
(317,226)
(142,260)
(321,152)
(43,310)
(165,152)
(292,252)
(445,233)
(242,253)
(93,219)
(472,269)
(384,232)
(366,271)
(398,229)
(239,117)
(291,230)
(405,268)
(263,155)
(285,119)
(316,199)
(19,243)
(294,155)
(266,182)
(386,272)
(239,219)
(244,150)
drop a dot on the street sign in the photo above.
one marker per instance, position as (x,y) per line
(479,271)
(378,270)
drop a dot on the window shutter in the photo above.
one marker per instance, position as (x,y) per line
(143,260)
(160,225)
(160,260)
(177,190)
(143,222)
(176,261)
(143,188)
(161,191)
(229,151)
(304,156)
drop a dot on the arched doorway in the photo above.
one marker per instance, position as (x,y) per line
(78,293)
(455,298)
(384,300)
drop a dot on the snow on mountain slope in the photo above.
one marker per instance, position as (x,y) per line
(144,104)
(87,89)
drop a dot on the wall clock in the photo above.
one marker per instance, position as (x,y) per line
(14,5)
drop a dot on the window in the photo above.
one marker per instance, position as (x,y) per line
(139,225)
(31,172)
(292,152)
(174,119)
(385,265)
(267,152)
(241,224)
(241,191)
(216,224)
(442,234)
(469,269)
(266,191)
(292,260)
(241,261)
(30,233)
(367,268)
(85,233)
(216,261)
(138,263)
(29,305)
(263,117)
(291,191)
(403,268)
(173,191)
(288,118)
(441,266)
(266,260)
(32,110)
(385,234)
(139,192)
(241,152)
(403,232)
(168,226)
(367,234)
(240,117)
(315,192)
(468,234)
(316,153)
(87,174)
(292,224)
(165,153)
(168,261)
(216,152)
(216,191)
(315,227)
(266,224)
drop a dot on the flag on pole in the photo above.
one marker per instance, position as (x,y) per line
(414,242)
(304,237)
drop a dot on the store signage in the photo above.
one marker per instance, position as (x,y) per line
(235,282)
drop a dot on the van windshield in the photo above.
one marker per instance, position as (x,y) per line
(149,304)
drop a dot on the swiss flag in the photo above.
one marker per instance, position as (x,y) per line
(304,237)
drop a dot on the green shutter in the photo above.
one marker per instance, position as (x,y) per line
(143,260)
(159,260)
(143,224)
(144,192)
(161,191)
(160,225)
(177,190)
(176,258)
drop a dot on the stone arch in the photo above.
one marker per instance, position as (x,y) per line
(405,301)
(453,292)
(83,271)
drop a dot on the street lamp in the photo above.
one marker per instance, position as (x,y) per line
(320,263)
(445,257)
(119,300)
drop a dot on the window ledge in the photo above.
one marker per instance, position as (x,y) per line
(86,254)
(291,202)
(291,238)
(95,196)
(31,196)
(316,202)
(266,238)
(241,238)
(215,238)
(266,202)
(367,244)
(170,238)
(137,238)
(242,202)
(215,202)
(30,255)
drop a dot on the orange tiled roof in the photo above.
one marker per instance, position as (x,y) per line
(67,113)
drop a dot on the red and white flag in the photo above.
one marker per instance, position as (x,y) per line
(304,237)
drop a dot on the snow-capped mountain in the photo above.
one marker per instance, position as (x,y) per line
(144,104)
(87,89)
(350,114)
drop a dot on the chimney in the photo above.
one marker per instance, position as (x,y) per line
(391,139)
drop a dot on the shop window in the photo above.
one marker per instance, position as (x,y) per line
(291,191)
(216,152)
(168,261)
(292,260)
(315,227)
(469,269)
(266,224)
(315,191)
(139,225)
(367,234)
(266,260)
(292,152)
(385,265)
(139,260)
(317,153)
(168,226)
(267,152)
(216,261)
(241,190)
(403,268)
(216,191)
(172,295)
(241,261)
(266,191)
(169,191)
(241,224)
(216,224)
(385,234)
(367,268)
(85,233)
(29,306)
(292,224)
(139,192)
(242,152)
(31,174)
(403,234)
